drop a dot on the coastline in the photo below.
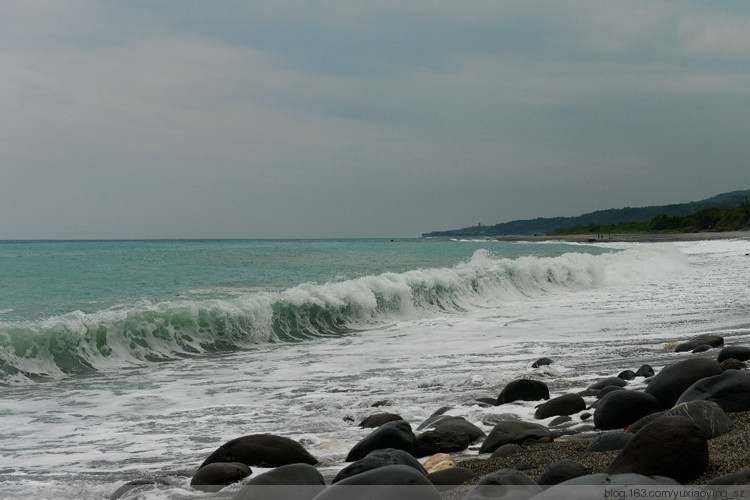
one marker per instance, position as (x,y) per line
(631,237)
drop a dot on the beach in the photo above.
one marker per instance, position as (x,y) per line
(633,237)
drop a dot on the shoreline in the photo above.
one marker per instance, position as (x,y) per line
(631,237)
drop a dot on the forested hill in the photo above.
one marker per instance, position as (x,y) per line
(613,216)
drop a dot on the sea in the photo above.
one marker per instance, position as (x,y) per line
(129,360)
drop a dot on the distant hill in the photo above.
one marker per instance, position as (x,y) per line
(610,217)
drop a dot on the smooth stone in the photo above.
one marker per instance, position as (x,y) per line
(608,441)
(504,483)
(645,371)
(740,353)
(541,362)
(437,415)
(708,339)
(585,416)
(671,446)
(506,450)
(262,450)
(452,476)
(567,404)
(564,419)
(438,462)
(626,375)
(514,432)
(732,364)
(561,471)
(730,390)
(461,425)
(619,409)
(378,419)
(298,481)
(390,480)
(217,475)
(608,389)
(601,384)
(734,478)
(705,414)
(672,380)
(137,485)
(523,390)
(377,459)
(396,434)
(701,348)
(440,441)
(642,422)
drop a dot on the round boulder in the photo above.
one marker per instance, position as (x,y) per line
(740,353)
(705,414)
(608,441)
(730,390)
(671,446)
(437,416)
(514,432)
(217,475)
(626,375)
(523,390)
(298,481)
(561,405)
(396,434)
(541,362)
(378,419)
(263,450)
(505,483)
(377,459)
(709,340)
(601,384)
(462,426)
(644,371)
(619,409)
(672,380)
(452,476)
(563,470)
(390,481)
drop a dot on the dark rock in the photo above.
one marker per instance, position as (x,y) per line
(437,415)
(396,434)
(378,419)
(555,422)
(730,390)
(701,348)
(377,459)
(504,484)
(740,353)
(461,425)
(486,401)
(732,364)
(642,422)
(390,481)
(138,485)
(585,416)
(541,362)
(513,432)
(619,409)
(217,475)
(609,441)
(263,450)
(523,390)
(382,402)
(644,371)
(705,414)
(451,476)
(298,481)
(735,478)
(506,450)
(608,389)
(709,340)
(616,381)
(562,405)
(561,471)
(626,375)
(437,441)
(671,382)
(671,446)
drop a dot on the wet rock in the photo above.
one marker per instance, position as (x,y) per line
(390,481)
(377,459)
(137,485)
(615,381)
(567,404)
(608,441)
(671,382)
(440,441)
(523,390)
(491,486)
(436,416)
(217,475)
(298,481)
(607,390)
(263,450)
(541,362)
(506,450)
(671,446)
(740,353)
(379,419)
(396,434)
(555,422)
(642,422)
(645,371)
(585,416)
(452,476)
(626,375)
(563,470)
(619,409)
(462,426)
(730,390)
(701,348)
(709,340)
(732,364)
(514,432)
(705,414)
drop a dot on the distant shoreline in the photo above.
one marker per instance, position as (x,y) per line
(631,237)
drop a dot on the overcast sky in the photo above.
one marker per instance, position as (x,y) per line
(353,118)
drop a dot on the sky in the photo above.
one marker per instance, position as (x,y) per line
(352,118)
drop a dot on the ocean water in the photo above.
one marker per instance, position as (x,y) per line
(133,360)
